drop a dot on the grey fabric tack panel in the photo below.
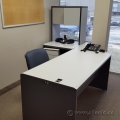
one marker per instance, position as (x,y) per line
(58,15)
(66,16)
(72,16)
(83,24)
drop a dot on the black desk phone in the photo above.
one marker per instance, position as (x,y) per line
(91,47)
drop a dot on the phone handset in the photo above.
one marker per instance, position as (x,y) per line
(86,47)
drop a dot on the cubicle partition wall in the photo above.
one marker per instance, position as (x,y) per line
(69,18)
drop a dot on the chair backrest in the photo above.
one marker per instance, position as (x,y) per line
(36,57)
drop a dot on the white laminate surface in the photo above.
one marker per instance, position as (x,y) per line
(74,67)
(60,45)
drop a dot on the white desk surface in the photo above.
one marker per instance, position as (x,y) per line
(74,67)
(60,45)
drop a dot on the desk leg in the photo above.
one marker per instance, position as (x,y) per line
(101,80)
(50,101)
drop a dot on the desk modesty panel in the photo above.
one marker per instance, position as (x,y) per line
(73,67)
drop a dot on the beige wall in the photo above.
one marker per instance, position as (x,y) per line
(15,42)
(102,17)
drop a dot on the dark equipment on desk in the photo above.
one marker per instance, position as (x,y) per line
(70,41)
(62,40)
(92,47)
(59,39)
(65,40)
(58,80)
(101,50)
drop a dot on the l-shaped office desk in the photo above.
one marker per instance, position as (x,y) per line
(51,89)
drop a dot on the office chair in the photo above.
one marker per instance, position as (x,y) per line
(36,57)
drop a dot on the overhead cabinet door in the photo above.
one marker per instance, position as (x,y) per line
(66,16)
(72,16)
(58,15)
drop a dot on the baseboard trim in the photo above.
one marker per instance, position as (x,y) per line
(9,87)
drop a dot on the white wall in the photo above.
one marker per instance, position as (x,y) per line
(15,42)
(102,17)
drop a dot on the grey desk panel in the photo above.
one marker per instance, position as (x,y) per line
(42,101)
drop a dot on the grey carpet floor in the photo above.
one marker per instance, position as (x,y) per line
(95,103)
(114,50)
